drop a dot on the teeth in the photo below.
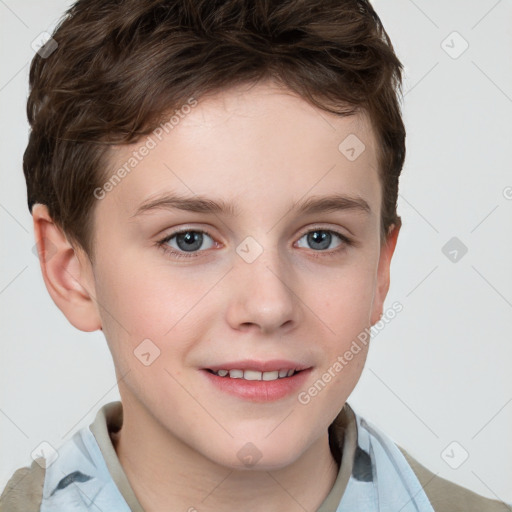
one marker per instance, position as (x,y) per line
(252,375)
(255,375)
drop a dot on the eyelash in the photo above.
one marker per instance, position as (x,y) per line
(162,244)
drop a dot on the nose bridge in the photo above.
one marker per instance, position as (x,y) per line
(261,291)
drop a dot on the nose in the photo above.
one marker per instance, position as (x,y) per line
(261,294)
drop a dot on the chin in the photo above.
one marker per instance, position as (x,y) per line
(258,455)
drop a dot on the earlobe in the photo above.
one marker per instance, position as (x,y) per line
(68,278)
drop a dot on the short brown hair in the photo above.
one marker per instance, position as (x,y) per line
(120,65)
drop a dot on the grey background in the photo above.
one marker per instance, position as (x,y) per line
(439,373)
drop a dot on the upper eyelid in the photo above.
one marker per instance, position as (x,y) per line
(186,230)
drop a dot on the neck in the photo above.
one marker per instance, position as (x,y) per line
(167,474)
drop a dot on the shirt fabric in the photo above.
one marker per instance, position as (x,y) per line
(374,474)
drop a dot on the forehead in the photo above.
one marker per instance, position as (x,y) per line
(258,140)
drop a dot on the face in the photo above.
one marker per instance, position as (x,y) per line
(181,291)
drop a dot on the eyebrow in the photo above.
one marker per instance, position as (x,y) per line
(202,204)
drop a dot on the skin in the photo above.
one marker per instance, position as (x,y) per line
(260,147)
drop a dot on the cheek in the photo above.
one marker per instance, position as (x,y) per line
(345,297)
(144,300)
(344,311)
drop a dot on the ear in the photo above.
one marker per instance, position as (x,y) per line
(386,252)
(67,273)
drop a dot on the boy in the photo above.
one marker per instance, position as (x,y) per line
(213,185)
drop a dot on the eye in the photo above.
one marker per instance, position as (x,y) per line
(321,239)
(188,243)
(185,241)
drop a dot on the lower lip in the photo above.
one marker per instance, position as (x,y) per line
(259,390)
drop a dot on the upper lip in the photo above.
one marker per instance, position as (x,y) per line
(259,366)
